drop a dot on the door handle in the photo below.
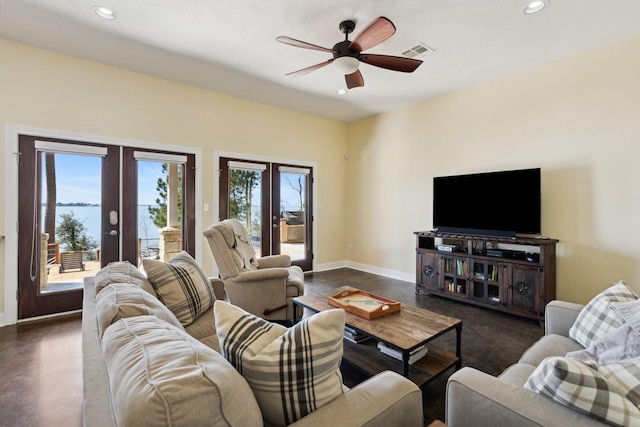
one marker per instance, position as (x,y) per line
(112,233)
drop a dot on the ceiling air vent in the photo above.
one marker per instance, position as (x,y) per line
(420,49)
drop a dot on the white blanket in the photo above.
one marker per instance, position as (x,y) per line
(243,244)
(621,345)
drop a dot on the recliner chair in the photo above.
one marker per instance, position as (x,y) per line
(262,286)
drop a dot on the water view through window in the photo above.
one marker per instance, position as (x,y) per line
(71,193)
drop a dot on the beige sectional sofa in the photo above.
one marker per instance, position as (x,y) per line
(554,384)
(141,367)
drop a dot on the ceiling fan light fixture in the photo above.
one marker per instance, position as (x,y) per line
(105,12)
(535,6)
(346,65)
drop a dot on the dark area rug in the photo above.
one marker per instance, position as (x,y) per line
(491,340)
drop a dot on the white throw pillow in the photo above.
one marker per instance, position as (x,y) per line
(597,318)
(181,285)
(292,371)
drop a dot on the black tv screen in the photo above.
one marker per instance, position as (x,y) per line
(502,203)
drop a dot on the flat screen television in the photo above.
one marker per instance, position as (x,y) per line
(502,203)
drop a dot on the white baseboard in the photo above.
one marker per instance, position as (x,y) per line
(331,266)
(2,320)
(392,274)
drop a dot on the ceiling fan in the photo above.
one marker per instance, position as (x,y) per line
(347,55)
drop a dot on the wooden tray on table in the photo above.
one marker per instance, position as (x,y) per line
(364,304)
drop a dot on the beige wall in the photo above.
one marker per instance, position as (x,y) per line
(576,118)
(47,90)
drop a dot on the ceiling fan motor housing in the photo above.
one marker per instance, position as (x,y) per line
(342,49)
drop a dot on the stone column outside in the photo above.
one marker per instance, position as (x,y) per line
(170,243)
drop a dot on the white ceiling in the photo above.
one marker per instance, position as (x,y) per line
(229,46)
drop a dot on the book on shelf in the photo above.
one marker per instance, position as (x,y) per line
(460,268)
(414,355)
(349,329)
(354,336)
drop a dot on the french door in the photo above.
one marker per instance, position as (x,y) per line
(79,210)
(274,201)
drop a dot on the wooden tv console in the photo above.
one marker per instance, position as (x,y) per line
(494,272)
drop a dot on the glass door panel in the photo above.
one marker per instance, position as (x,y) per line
(70,219)
(160,205)
(151,207)
(246,201)
(293,201)
(294,185)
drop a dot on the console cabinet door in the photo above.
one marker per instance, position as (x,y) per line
(524,288)
(427,272)
(486,281)
(454,275)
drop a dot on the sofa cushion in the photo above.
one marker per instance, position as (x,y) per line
(292,372)
(160,376)
(574,384)
(204,330)
(181,285)
(596,319)
(547,346)
(120,300)
(122,272)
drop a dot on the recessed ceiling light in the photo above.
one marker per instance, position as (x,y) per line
(104,12)
(342,92)
(535,6)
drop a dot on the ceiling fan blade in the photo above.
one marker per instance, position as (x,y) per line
(354,79)
(309,69)
(375,33)
(304,45)
(395,63)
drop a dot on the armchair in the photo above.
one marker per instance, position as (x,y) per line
(262,286)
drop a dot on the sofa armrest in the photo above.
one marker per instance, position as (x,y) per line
(559,317)
(96,405)
(387,399)
(258,275)
(474,398)
(218,287)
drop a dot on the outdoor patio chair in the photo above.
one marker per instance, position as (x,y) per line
(71,260)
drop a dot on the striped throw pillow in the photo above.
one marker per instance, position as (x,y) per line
(574,384)
(291,371)
(181,285)
(597,318)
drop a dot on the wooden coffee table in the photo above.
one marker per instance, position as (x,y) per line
(405,330)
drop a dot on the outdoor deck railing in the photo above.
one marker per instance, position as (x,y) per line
(149,248)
